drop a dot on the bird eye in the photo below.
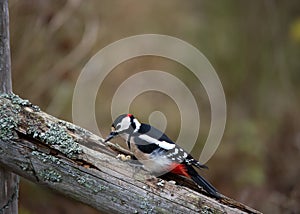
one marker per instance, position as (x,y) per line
(118,127)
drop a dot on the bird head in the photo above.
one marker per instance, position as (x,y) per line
(124,124)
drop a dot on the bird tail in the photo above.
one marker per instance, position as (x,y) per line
(200,181)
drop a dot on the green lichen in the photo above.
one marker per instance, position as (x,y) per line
(50,175)
(9,114)
(16,100)
(91,184)
(34,126)
(58,137)
(7,125)
(46,158)
(8,120)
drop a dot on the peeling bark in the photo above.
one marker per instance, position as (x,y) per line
(76,163)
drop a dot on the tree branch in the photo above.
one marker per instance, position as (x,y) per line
(5,76)
(9,182)
(76,163)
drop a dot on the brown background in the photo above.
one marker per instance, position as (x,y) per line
(253,45)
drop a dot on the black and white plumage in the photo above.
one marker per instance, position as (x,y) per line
(157,152)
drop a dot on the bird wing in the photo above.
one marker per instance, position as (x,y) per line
(191,161)
(159,140)
(151,135)
(154,133)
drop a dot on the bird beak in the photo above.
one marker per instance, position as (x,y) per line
(111,136)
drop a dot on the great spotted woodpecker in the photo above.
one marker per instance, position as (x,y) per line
(157,152)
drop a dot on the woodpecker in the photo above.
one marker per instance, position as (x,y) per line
(157,152)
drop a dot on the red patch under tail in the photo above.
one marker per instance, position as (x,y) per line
(179,169)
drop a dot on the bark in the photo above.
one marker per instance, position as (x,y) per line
(9,182)
(76,163)
(5,74)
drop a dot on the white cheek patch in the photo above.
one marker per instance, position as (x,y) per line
(162,144)
(124,124)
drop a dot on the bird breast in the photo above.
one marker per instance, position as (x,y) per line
(154,163)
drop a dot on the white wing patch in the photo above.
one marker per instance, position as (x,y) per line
(185,155)
(175,151)
(162,144)
(137,124)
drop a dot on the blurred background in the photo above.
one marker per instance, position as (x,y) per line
(254,47)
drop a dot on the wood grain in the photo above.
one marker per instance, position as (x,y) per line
(88,170)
